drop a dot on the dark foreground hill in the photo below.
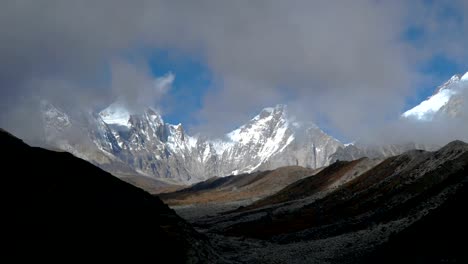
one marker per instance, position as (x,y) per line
(58,207)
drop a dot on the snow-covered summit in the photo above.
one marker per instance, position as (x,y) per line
(261,124)
(428,108)
(116,114)
(274,138)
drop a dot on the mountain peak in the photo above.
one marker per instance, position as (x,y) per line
(464,77)
(427,109)
(116,114)
(154,116)
(456,144)
(276,108)
(279,110)
(264,123)
(177,130)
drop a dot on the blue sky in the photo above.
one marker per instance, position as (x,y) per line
(192,82)
(440,69)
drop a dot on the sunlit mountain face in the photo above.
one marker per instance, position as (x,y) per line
(445,101)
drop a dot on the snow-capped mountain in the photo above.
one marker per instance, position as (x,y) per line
(83,134)
(448,101)
(445,101)
(116,114)
(145,144)
(126,143)
(273,139)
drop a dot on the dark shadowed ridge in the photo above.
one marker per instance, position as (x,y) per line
(59,207)
(439,237)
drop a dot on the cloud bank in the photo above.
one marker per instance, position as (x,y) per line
(342,62)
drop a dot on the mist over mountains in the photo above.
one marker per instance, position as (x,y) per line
(126,142)
(146,145)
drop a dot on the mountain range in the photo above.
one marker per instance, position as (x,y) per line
(143,144)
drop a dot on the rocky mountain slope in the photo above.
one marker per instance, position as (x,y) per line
(57,206)
(389,185)
(358,150)
(364,211)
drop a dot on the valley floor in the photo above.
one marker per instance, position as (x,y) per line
(248,250)
(344,248)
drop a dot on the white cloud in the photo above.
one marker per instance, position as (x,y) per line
(164,83)
(136,87)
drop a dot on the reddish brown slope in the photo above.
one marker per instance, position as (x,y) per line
(240,187)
